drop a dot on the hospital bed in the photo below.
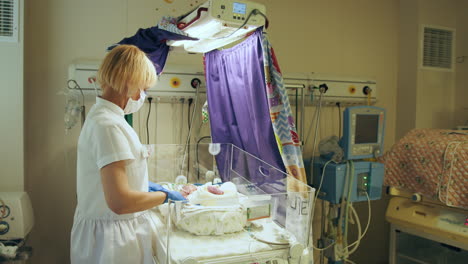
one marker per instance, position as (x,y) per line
(275,208)
(427,175)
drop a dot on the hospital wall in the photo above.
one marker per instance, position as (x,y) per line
(12,112)
(431,98)
(461,88)
(358,38)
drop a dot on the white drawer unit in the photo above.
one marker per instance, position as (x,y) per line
(427,233)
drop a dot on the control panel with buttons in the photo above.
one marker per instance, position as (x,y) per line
(237,12)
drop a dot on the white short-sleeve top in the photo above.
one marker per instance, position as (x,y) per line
(98,234)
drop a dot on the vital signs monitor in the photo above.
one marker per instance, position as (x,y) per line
(363,132)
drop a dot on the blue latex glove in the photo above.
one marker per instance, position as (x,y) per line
(154,187)
(173,195)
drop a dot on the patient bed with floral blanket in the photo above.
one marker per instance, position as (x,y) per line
(431,162)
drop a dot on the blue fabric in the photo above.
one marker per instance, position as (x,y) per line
(237,103)
(173,195)
(152,41)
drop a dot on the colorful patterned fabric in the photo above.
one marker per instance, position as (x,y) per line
(205,115)
(431,162)
(169,23)
(281,114)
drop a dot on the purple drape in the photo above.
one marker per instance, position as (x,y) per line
(237,101)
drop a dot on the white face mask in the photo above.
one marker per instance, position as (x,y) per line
(135,105)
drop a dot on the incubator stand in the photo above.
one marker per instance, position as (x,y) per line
(266,219)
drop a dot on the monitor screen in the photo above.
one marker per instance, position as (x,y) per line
(367,129)
(239,8)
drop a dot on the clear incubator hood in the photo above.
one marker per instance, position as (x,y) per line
(256,211)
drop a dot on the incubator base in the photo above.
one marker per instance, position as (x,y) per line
(237,248)
(265,196)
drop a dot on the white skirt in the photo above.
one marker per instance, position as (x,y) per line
(127,239)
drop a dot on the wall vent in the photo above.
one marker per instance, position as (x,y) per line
(9,20)
(438,48)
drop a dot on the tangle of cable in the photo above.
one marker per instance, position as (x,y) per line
(339,118)
(348,198)
(147,120)
(367,226)
(315,201)
(190,129)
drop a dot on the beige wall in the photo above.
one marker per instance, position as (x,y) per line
(435,89)
(359,38)
(58,32)
(407,67)
(429,98)
(461,98)
(12,113)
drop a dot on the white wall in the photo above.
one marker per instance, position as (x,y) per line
(12,112)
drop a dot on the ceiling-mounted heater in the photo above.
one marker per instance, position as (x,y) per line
(9,20)
(217,23)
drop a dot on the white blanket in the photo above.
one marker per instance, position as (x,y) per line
(209,214)
(207,220)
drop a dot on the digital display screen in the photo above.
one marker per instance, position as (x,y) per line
(367,129)
(239,8)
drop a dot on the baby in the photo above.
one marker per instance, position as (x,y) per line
(189,189)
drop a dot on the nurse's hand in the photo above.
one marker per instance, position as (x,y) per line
(174,196)
(120,197)
(154,187)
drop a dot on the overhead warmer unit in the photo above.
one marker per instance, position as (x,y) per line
(217,23)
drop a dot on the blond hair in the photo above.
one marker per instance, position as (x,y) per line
(126,69)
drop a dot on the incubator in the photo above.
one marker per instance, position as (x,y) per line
(239,209)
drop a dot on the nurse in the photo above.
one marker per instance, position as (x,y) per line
(111,224)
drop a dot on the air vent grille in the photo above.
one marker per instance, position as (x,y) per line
(8,20)
(437,49)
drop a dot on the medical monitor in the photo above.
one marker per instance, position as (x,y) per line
(363,132)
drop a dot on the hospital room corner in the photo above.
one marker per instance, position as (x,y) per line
(234,131)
